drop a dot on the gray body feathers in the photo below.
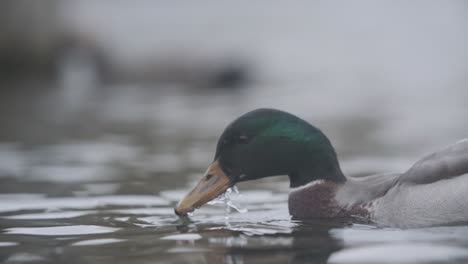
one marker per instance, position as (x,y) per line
(434,191)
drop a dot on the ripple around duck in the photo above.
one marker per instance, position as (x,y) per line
(359,235)
(49,215)
(96,242)
(91,202)
(190,237)
(8,244)
(407,253)
(61,230)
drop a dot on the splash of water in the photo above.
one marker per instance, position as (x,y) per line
(229,200)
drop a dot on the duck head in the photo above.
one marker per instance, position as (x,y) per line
(263,143)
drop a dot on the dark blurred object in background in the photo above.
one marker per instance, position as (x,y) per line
(38,42)
(29,33)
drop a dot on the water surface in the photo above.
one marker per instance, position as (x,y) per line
(101,188)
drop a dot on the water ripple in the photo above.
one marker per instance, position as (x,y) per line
(8,205)
(61,230)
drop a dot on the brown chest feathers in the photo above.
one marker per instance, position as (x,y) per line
(317,200)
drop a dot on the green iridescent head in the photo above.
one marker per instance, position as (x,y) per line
(269,142)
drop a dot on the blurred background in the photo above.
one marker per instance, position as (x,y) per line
(379,78)
(129,97)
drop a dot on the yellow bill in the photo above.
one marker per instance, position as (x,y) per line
(213,184)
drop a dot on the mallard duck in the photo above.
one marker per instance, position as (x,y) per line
(269,142)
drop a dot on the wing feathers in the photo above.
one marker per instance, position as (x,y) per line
(447,163)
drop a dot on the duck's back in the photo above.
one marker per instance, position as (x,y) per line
(439,203)
(432,192)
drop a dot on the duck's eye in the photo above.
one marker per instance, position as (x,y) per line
(243,139)
(208,176)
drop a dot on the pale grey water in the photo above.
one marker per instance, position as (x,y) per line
(91,174)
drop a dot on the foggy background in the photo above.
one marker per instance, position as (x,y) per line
(385,80)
